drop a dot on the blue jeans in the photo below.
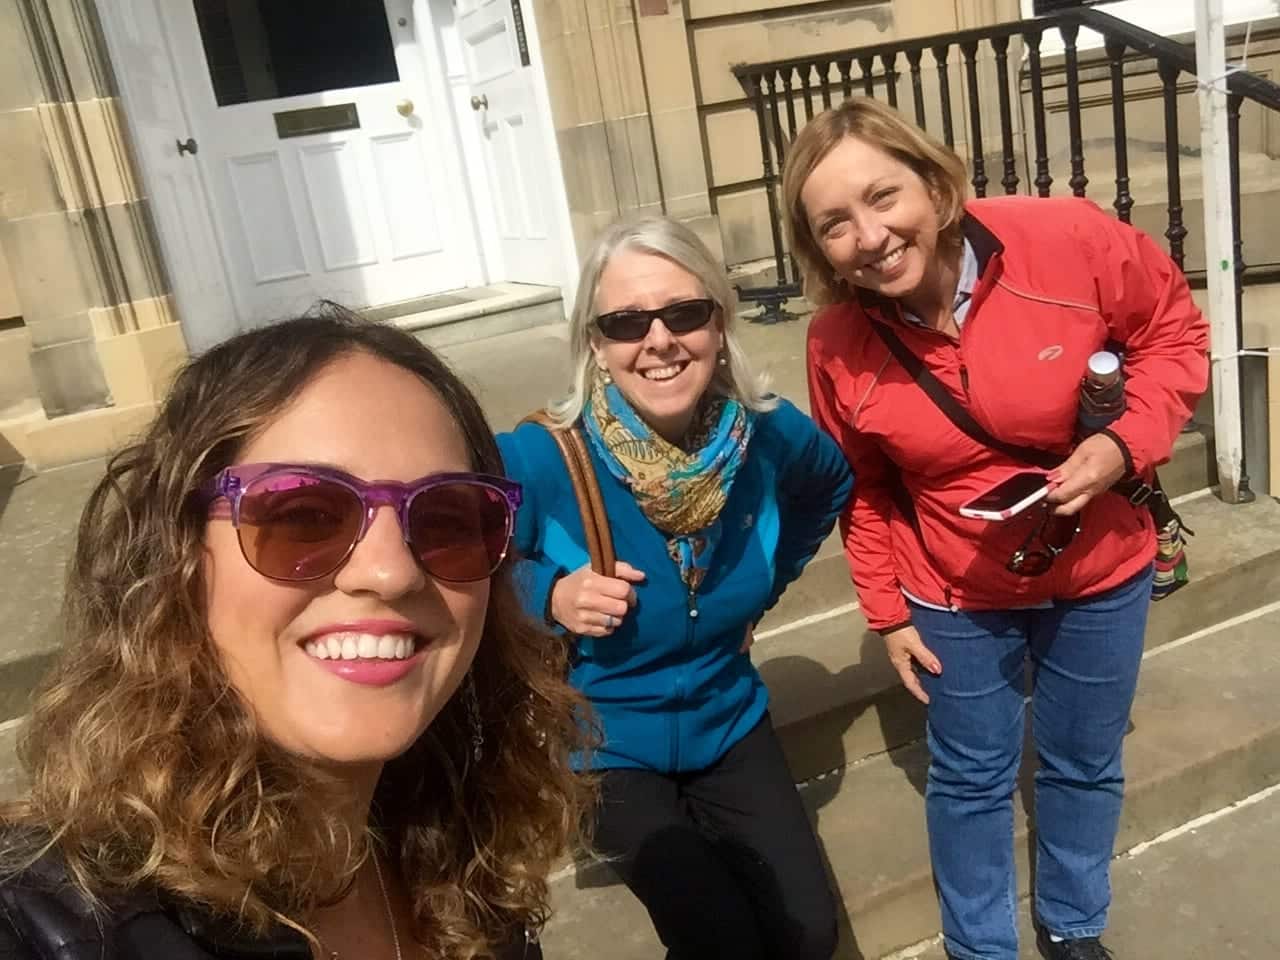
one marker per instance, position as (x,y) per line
(1084,657)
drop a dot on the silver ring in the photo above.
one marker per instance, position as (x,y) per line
(608,621)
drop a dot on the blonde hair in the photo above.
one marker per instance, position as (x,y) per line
(148,768)
(668,238)
(880,126)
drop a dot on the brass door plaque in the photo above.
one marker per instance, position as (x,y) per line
(302,123)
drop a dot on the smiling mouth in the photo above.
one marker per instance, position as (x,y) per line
(663,374)
(350,645)
(888,261)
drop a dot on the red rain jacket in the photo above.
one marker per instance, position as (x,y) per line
(1058,278)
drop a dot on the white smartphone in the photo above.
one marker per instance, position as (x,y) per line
(1009,497)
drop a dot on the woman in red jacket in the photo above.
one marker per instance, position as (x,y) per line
(1002,301)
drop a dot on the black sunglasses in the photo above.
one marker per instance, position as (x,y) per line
(684,316)
(1043,544)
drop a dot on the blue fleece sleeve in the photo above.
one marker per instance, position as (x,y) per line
(535,575)
(814,485)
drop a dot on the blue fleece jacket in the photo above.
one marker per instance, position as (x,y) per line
(669,686)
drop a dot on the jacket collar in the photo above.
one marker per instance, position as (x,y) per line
(227,941)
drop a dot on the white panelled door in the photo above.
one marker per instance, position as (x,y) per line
(361,211)
(514,138)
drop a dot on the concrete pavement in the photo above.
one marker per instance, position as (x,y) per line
(1198,893)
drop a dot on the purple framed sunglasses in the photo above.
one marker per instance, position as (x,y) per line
(298,522)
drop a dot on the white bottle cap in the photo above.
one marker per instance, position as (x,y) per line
(1104,363)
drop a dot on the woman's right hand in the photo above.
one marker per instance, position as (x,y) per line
(589,605)
(906,649)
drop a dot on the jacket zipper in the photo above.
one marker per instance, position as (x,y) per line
(678,691)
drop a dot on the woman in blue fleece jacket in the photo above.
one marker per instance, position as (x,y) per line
(717,495)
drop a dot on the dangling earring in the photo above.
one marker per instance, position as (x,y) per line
(472,703)
(723,361)
(605,375)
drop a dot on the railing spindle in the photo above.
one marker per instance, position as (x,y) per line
(940,55)
(890,63)
(775,116)
(970,50)
(1124,201)
(808,92)
(1043,180)
(867,66)
(1176,231)
(824,76)
(770,179)
(1010,179)
(785,74)
(917,86)
(846,83)
(1070,29)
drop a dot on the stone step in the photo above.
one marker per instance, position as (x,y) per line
(1205,732)
(1180,898)
(466,316)
(836,699)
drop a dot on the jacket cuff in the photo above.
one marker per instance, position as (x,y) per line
(893,628)
(536,581)
(1129,470)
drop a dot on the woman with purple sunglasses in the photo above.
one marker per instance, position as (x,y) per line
(717,494)
(300,712)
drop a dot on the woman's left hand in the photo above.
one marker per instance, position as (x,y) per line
(1095,466)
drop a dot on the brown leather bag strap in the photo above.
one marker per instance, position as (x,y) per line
(586,489)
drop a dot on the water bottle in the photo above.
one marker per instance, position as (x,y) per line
(1101,402)
(1101,394)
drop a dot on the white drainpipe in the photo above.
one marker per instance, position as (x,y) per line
(1219,257)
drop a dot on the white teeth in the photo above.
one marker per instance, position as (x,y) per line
(890,260)
(362,646)
(662,373)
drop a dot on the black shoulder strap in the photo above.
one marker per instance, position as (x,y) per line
(945,401)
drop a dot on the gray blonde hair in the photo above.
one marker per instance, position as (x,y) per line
(668,238)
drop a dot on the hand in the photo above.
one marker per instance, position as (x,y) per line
(748,638)
(1095,466)
(906,649)
(589,605)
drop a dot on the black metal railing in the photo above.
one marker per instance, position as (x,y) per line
(786,87)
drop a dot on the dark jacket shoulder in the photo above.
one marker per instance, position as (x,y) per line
(45,916)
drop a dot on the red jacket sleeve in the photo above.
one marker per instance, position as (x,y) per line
(864,523)
(1148,307)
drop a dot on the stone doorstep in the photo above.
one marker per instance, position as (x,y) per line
(507,308)
(1205,732)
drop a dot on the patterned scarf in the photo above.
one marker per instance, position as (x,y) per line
(682,494)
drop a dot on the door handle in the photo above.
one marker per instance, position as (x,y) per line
(404,107)
(189,146)
(480,103)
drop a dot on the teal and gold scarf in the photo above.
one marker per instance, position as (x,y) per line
(681,493)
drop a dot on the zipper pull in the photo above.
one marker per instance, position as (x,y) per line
(964,379)
(693,605)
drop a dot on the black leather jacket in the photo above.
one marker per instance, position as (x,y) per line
(44,917)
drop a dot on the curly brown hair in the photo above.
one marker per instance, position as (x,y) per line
(147,767)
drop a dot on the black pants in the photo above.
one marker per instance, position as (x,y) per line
(724,859)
